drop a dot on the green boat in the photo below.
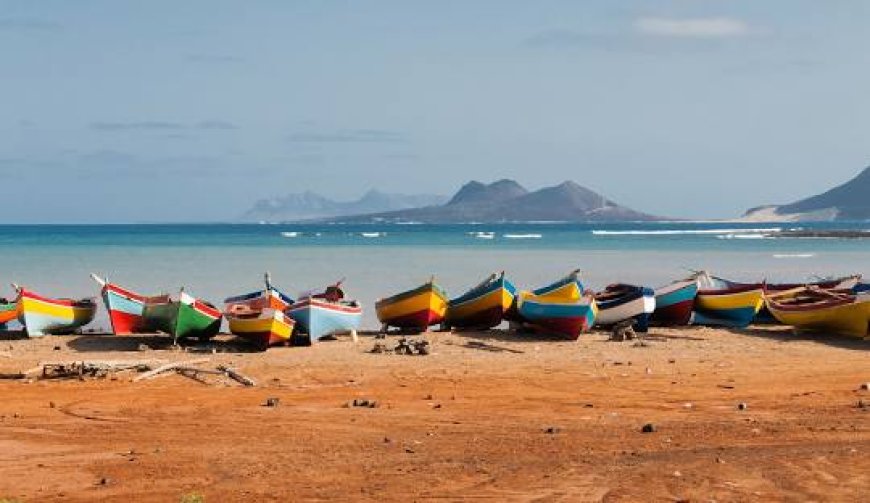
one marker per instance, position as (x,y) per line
(187,317)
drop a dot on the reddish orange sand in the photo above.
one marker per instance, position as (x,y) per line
(466,422)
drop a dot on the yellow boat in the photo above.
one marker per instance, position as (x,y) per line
(44,315)
(484,306)
(415,309)
(720,302)
(264,328)
(819,310)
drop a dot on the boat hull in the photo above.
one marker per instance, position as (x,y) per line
(764,315)
(45,316)
(851,319)
(184,318)
(733,308)
(482,309)
(566,318)
(319,318)
(674,304)
(567,289)
(631,303)
(268,328)
(416,309)
(125,310)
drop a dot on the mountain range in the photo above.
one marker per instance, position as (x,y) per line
(311,206)
(508,201)
(849,201)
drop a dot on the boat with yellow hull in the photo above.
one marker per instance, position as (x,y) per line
(43,315)
(824,311)
(720,302)
(483,306)
(265,327)
(415,309)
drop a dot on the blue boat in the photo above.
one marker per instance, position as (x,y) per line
(324,314)
(569,287)
(568,317)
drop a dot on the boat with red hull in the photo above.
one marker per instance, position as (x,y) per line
(125,307)
(674,303)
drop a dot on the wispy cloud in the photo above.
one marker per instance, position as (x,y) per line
(710,27)
(26,24)
(348,136)
(162,126)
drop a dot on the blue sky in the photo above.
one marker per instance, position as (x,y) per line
(119,111)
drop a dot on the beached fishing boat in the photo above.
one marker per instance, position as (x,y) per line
(567,316)
(764,315)
(819,310)
(483,306)
(720,302)
(183,318)
(268,297)
(43,315)
(125,307)
(674,303)
(621,302)
(262,327)
(568,288)
(259,316)
(415,309)
(326,313)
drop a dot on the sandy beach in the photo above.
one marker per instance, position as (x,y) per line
(485,416)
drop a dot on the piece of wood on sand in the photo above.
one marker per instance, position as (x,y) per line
(233,374)
(169,366)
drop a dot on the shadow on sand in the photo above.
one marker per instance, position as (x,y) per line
(787,334)
(95,343)
(12,335)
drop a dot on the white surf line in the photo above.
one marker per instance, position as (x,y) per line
(669,232)
(522,236)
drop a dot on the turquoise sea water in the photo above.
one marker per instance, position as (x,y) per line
(217,260)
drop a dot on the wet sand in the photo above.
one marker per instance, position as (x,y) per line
(485,416)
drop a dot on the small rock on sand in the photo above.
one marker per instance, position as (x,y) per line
(552,430)
(742,406)
(648,428)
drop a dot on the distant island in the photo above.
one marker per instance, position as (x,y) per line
(500,201)
(312,206)
(849,201)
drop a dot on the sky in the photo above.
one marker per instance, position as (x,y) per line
(132,111)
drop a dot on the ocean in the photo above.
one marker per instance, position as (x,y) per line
(214,261)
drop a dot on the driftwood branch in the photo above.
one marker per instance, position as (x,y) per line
(169,366)
(247,381)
